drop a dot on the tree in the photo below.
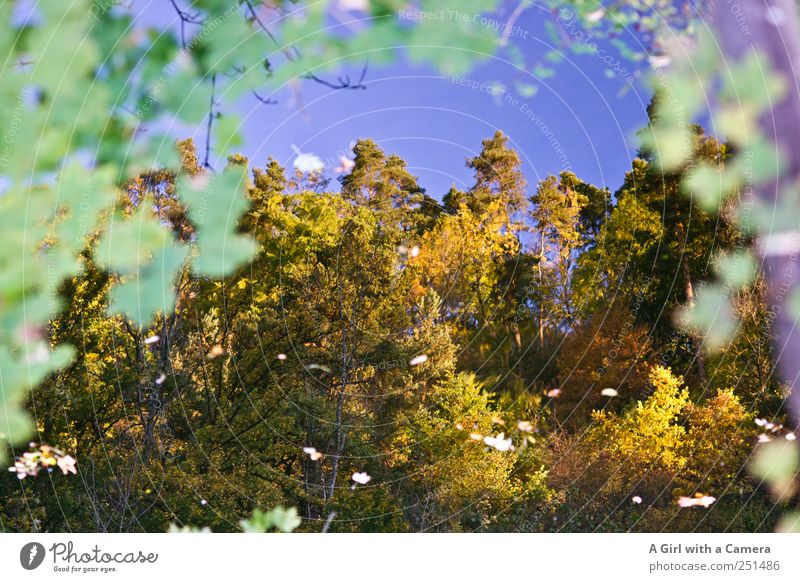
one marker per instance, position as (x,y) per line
(499,182)
(384,185)
(609,350)
(383,379)
(556,213)
(656,247)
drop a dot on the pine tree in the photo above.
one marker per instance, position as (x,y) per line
(556,214)
(499,182)
(384,185)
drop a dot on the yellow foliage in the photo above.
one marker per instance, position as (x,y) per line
(649,434)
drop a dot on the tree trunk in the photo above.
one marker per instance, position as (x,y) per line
(541,292)
(698,347)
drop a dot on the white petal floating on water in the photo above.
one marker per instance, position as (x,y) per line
(414,251)
(421,359)
(763,438)
(697,501)
(361,478)
(476,436)
(790,436)
(313,453)
(215,351)
(67,465)
(281,357)
(659,61)
(636,499)
(152,339)
(44,457)
(763,422)
(610,392)
(161,377)
(524,426)
(706,500)
(596,15)
(554,393)
(499,443)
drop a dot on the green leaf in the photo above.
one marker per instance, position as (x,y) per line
(215,205)
(526,90)
(777,463)
(543,72)
(187,94)
(285,520)
(689,90)
(153,290)
(82,194)
(148,259)
(711,316)
(737,269)
(790,523)
(737,122)
(451,46)
(56,70)
(766,217)
(672,145)
(174,528)
(18,374)
(226,132)
(710,185)
(765,161)
(751,81)
(794,302)
(229,41)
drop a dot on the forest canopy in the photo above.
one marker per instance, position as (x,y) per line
(504,360)
(192,340)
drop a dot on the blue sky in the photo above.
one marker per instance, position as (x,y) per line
(579,119)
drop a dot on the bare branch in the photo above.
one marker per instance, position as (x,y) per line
(343,82)
(185,18)
(263,100)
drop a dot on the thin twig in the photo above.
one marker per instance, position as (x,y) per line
(210,121)
(263,100)
(263,27)
(344,82)
(185,19)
